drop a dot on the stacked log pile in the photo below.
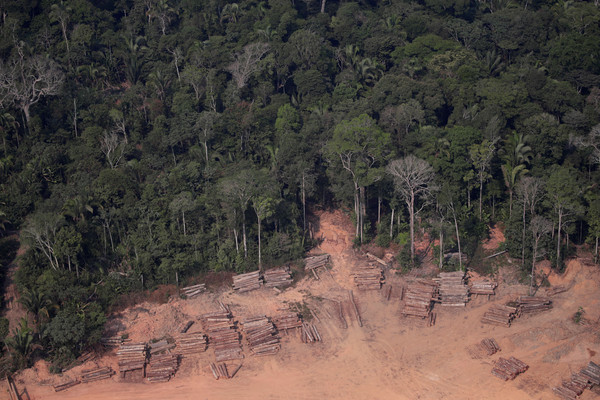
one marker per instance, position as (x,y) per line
(194,290)
(287,321)
(489,346)
(584,379)
(499,315)
(312,263)
(247,282)
(509,368)
(113,341)
(419,296)
(484,287)
(96,374)
(190,343)
(131,356)
(532,305)
(261,335)
(453,289)
(369,277)
(66,385)
(162,367)
(277,277)
(223,335)
(160,346)
(310,333)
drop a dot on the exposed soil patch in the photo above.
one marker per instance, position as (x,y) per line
(390,357)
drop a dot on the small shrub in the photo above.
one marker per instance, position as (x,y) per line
(578,315)
(383,240)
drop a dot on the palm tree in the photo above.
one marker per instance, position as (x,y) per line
(77,208)
(21,342)
(517,155)
(37,303)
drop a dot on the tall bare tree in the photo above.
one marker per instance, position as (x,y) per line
(530,190)
(481,157)
(539,227)
(25,80)
(247,62)
(591,141)
(413,179)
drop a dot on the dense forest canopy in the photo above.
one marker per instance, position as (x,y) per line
(146,141)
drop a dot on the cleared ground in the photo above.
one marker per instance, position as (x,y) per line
(390,357)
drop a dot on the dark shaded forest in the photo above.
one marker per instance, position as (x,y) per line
(146,142)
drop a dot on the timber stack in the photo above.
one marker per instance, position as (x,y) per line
(277,277)
(66,385)
(315,262)
(592,373)
(484,287)
(113,341)
(453,289)
(419,296)
(509,368)
(532,305)
(160,347)
(131,356)
(190,343)
(572,389)
(162,367)
(369,277)
(261,335)
(500,315)
(223,335)
(96,374)
(287,321)
(247,282)
(310,333)
(194,290)
(489,346)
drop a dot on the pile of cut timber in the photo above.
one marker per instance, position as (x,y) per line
(277,277)
(489,346)
(261,335)
(592,373)
(194,290)
(499,315)
(453,289)
(223,335)
(162,367)
(419,296)
(131,356)
(312,263)
(66,385)
(509,368)
(96,374)
(572,389)
(531,305)
(190,343)
(287,321)
(160,346)
(369,277)
(247,282)
(113,341)
(310,333)
(484,287)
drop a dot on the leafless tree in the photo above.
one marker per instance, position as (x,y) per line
(413,179)
(25,80)
(41,229)
(530,190)
(113,147)
(204,125)
(247,62)
(591,141)
(539,227)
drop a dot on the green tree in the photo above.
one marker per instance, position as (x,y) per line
(516,157)
(361,148)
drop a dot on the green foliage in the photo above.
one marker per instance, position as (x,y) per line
(578,315)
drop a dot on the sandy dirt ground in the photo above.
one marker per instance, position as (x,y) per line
(389,357)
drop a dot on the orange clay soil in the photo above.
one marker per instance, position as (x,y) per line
(390,357)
